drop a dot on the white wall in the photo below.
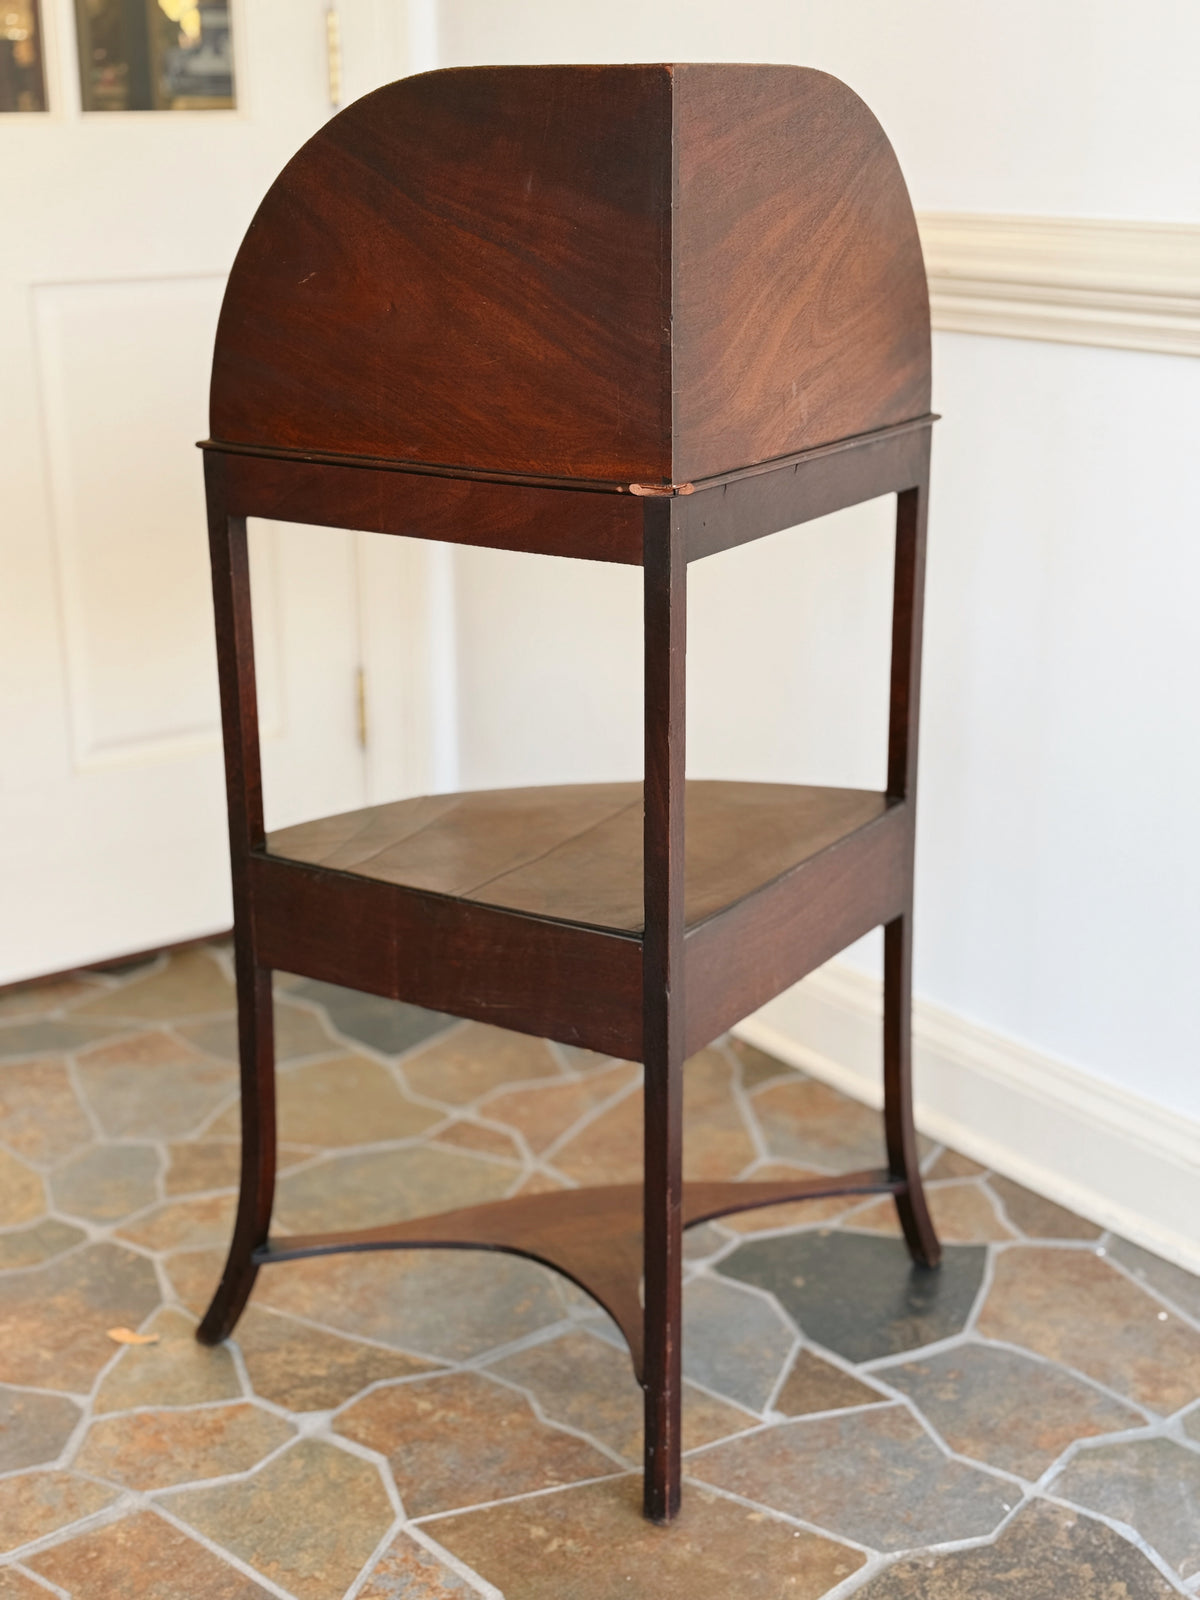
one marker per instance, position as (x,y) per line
(1059,878)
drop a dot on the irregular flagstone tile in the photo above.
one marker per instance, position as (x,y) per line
(389,1026)
(350,1100)
(861,1296)
(540,1183)
(733,1342)
(608,1149)
(202,1165)
(1045,1553)
(816,1385)
(144,1557)
(1072,1306)
(14,1585)
(177,1371)
(592,1543)
(308,1520)
(462,1439)
(487,1141)
(953,1164)
(55,1317)
(154,1449)
(184,1224)
(305,1369)
(581,1060)
(1151,1484)
(1175,1283)
(1038,1217)
(40,1116)
(475,1059)
(407,1571)
(962,1213)
(716,1142)
(194,1276)
(298,1032)
(809,1123)
(756,1066)
(1006,1409)
(448,1304)
(794,1214)
(588,1384)
(22,1195)
(381,1186)
(38,1503)
(34,1428)
(107,1181)
(190,984)
(702,1241)
(544,1114)
(48,1036)
(874,1476)
(41,1242)
(152,1086)
(41,996)
(205,1164)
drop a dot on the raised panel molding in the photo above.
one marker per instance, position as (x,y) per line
(123,378)
(1075,280)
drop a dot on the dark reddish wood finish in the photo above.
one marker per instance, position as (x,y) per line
(801,312)
(592,1236)
(632,274)
(462,313)
(577,984)
(479,261)
(375,497)
(256,1021)
(664,1000)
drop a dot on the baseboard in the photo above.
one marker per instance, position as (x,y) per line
(1116,1158)
(1122,284)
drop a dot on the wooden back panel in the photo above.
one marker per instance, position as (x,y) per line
(801,313)
(467,268)
(613,275)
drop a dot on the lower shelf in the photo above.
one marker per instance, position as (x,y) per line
(592,1236)
(574,852)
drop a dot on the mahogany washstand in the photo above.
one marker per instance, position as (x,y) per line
(626,313)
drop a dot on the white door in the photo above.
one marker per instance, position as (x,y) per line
(118,226)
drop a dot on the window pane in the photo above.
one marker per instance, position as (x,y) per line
(154,55)
(22,76)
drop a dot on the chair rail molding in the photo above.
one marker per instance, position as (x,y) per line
(1125,1162)
(1126,285)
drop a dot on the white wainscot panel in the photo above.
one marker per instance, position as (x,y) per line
(124,389)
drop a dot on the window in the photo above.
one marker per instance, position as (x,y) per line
(154,55)
(22,73)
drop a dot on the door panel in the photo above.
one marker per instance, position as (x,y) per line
(119,229)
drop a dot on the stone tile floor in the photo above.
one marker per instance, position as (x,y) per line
(435,1426)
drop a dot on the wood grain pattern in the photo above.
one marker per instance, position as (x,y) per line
(643,274)
(634,314)
(592,1236)
(574,852)
(578,985)
(469,268)
(382,499)
(771,939)
(801,310)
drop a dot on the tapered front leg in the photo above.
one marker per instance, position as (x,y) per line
(907,611)
(662,1001)
(256,1048)
(901,1133)
(243,788)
